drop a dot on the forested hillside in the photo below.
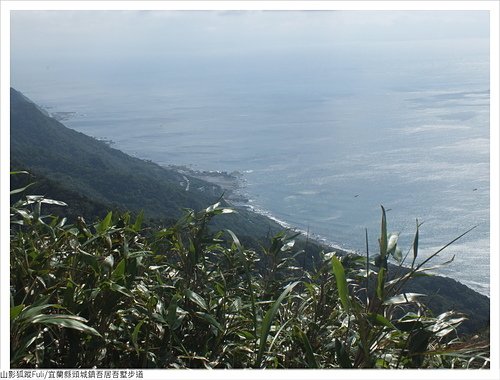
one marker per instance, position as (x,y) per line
(83,165)
(93,168)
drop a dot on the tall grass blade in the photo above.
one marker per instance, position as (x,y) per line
(383,236)
(367,268)
(235,239)
(304,340)
(268,320)
(248,278)
(381,321)
(342,355)
(381,283)
(135,335)
(20,190)
(138,222)
(338,271)
(415,246)
(399,285)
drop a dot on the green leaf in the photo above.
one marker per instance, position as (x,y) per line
(53,202)
(135,334)
(445,316)
(196,298)
(211,320)
(20,190)
(444,324)
(426,269)
(381,320)
(23,213)
(415,246)
(120,289)
(15,311)
(212,207)
(62,222)
(342,355)
(224,211)
(383,236)
(338,271)
(306,344)
(381,283)
(89,259)
(235,239)
(104,224)
(37,211)
(30,199)
(328,256)
(119,271)
(171,317)
(69,293)
(268,320)
(138,222)
(287,246)
(403,298)
(216,210)
(220,289)
(32,311)
(68,321)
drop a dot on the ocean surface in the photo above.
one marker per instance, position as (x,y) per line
(323,137)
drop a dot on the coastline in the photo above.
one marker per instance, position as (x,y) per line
(230,183)
(233,185)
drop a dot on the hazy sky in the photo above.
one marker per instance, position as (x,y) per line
(45,36)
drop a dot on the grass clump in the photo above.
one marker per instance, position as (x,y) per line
(114,294)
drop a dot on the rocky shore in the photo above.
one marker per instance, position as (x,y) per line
(232,183)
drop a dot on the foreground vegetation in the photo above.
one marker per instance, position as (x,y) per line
(112,294)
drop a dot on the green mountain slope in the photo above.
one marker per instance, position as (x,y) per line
(93,168)
(89,167)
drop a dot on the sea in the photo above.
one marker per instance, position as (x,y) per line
(322,137)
